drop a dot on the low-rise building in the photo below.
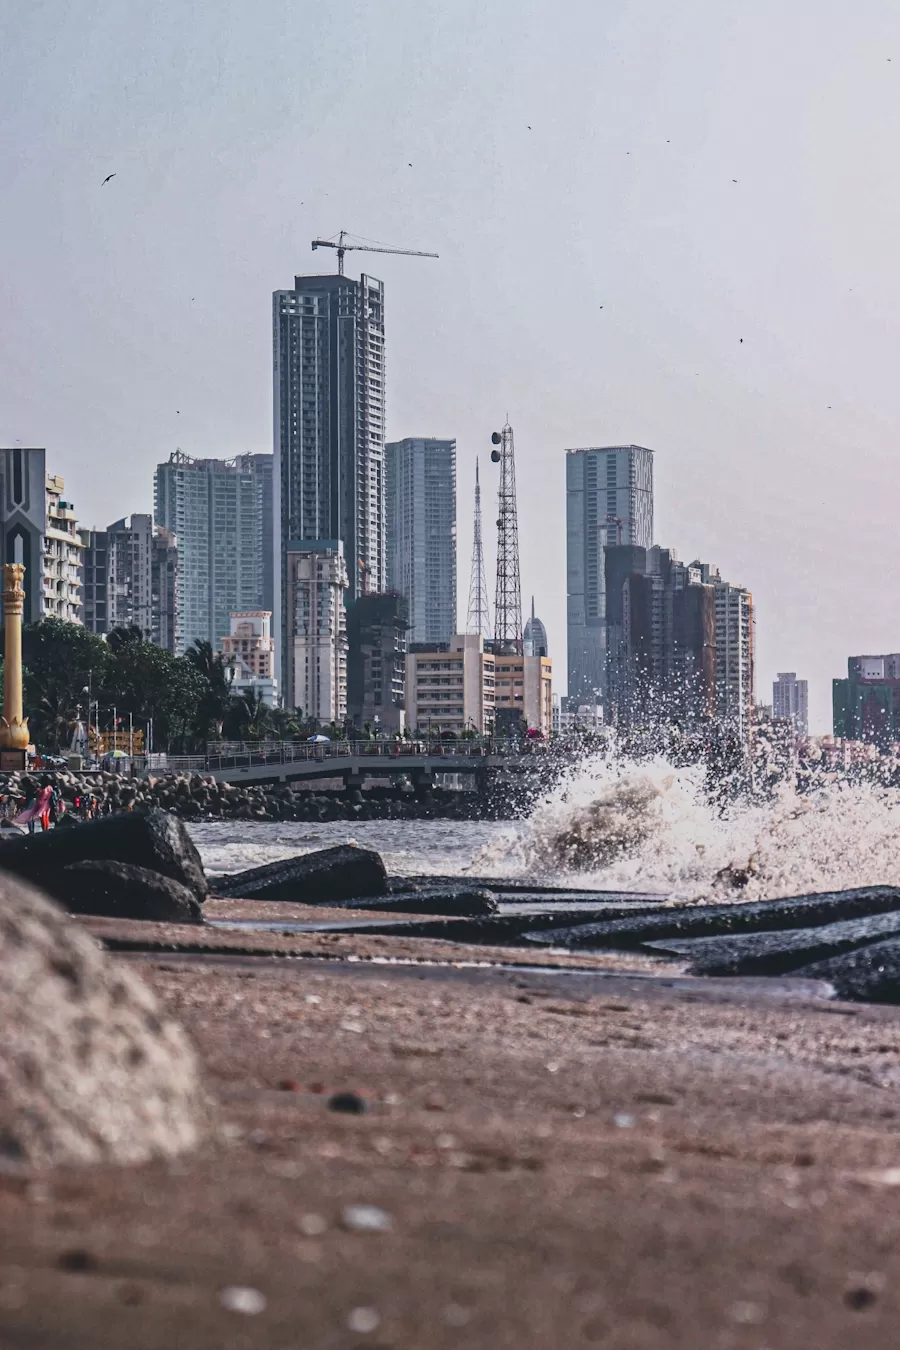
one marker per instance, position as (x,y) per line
(524,685)
(866,705)
(249,651)
(571,717)
(450,686)
(316,579)
(376,662)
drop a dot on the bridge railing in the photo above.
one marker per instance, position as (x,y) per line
(289,752)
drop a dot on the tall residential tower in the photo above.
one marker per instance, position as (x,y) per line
(220,511)
(609,501)
(420,477)
(328,344)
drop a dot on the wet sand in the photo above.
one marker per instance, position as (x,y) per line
(567,1157)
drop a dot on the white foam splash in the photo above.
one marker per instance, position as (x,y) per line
(651,827)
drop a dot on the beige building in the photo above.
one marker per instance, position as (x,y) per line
(316,622)
(450,686)
(249,649)
(63,548)
(525,683)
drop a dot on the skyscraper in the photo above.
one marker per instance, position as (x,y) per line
(609,501)
(62,555)
(376,662)
(328,341)
(23,519)
(316,579)
(220,510)
(790,700)
(420,499)
(735,631)
(661,631)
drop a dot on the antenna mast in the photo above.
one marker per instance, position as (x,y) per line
(479,620)
(508,604)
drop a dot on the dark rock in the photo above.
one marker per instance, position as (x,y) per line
(77,1260)
(330,874)
(868,975)
(350,1103)
(776,953)
(860,1298)
(455,904)
(155,841)
(120,891)
(712,920)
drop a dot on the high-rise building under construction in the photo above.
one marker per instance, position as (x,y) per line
(329,374)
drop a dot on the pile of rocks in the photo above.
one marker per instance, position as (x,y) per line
(197,796)
(849,938)
(131,865)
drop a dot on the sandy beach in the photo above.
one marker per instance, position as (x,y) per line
(555,1158)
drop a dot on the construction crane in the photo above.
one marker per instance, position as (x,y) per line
(343,248)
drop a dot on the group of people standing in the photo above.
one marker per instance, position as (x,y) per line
(43,805)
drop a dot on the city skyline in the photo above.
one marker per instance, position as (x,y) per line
(647,262)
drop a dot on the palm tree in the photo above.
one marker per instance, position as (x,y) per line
(218,675)
(252,715)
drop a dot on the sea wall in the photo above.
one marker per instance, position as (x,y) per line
(199,797)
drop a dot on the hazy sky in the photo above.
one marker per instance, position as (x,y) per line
(597,270)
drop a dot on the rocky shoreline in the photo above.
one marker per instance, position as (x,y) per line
(199,797)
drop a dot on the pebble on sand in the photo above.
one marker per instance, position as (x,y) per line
(313,1225)
(363,1320)
(348,1102)
(366,1219)
(238,1298)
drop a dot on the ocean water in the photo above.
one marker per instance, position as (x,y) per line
(612,824)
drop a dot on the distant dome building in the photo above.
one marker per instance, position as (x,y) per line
(535,636)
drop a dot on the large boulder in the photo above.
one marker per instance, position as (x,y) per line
(794,911)
(340,873)
(90,1069)
(155,841)
(120,891)
(780,952)
(465,903)
(868,975)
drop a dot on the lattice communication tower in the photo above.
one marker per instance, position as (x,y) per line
(479,619)
(508,603)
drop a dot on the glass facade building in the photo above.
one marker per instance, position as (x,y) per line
(420,475)
(329,388)
(221,512)
(609,502)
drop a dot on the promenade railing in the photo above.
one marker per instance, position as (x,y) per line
(263,754)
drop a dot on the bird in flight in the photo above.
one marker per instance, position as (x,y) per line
(529,128)
(734,180)
(742,339)
(107,178)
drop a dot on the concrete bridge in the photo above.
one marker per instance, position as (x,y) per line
(355,761)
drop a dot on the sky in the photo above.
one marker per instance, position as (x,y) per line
(619,193)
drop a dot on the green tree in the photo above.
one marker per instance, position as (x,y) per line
(249,718)
(215,704)
(60,660)
(149,682)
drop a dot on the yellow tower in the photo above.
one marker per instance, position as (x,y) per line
(14,734)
